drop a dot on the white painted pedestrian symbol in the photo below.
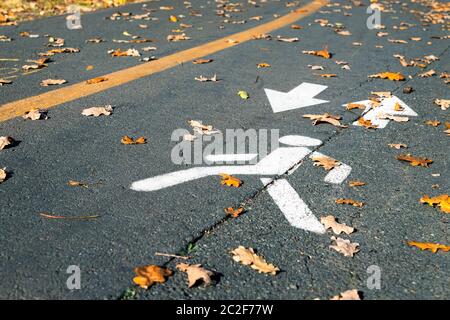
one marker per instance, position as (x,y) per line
(391,106)
(300,97)
(278,162)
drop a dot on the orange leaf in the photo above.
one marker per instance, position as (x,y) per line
(234,212)
(433,247)
(96,80)
(350,201)
(230,180)
(388,75)
(127,140)
(414,161)
(442,201)
(367,123)
(320,53)
(148,275)
(356,183)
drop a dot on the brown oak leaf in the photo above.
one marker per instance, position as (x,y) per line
(250,258)
(330,222)
(98,111)
(326,117)
(148,275)
(196,273)
(352,202)
(326,162)
(414,161)
(344,246)
(5,141)
(347,295)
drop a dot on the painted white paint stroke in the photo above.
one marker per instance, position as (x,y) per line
(300,141)
(336,175)
(231,157)
(276,163)
(386,107)
(292,206)
(300,97)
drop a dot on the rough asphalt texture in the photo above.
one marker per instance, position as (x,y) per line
(35,251)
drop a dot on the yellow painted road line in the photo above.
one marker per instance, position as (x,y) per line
(56,97)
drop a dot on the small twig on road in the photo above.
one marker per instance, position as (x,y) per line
(51,216)
(171,255)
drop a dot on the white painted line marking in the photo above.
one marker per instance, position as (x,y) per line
(300,97)
(300,141)
(230,157)
(336,175)
(293,207)
(386,108)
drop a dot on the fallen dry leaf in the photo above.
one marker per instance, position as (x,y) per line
(433,123)
(127,53)
(443,103)
(130,141)
(327,75)
(230,180)
(433,247)
(73,183)
(196,273)
(4,81)
(96,80)
(283,39)
(320,53)
(367,123)
(350,201)
(442,201)
(356,183)
(344,246)
(3,175)
(202,61)
(351,106)
(262,65)
(35,114)
(234,212)
(427,74)
(243,94)
(326,117)
(249,258)
(414,161)
(397,146)
(202,129)
(330,222)
(5,141)
(98,111)
(202,78)
(177,37)
(52,82)
(326,162)
(347,295)
(148,275)
(391,117)
(388,75)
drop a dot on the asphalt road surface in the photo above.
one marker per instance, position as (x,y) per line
(188,219)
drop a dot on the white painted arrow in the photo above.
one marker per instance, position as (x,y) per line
(386,108)
(300,97)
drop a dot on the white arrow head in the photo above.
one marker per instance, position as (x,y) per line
(387,107)
(300,97)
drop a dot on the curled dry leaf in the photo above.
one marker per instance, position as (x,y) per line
(347,295)
(262,65)
(414,161)
(344,246)
(4,81)
(351,106)
(127,53)
(196,273)
(442,201)
(35,114)
(352,202)
(96,80)
(393,76)
(315,67)
(52,82)
(177,37)
(243,94)
(327,75)
(202,61)
(3,175)
(249,258)
(229,180)
(427,74)
(202,129)
(391,117)
(330,222)
(326,117)
(148,275)
(283,39)
(443,103)
(5,141)
(326,162)
(234,212)
(98,111)
(433,247)
(202,78)
(130,141)
(397,146)
(320,53)
(73,183)
(356,183)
